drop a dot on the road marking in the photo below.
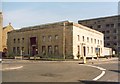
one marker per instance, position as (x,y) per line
(98,77)
(100,68)
(12,68)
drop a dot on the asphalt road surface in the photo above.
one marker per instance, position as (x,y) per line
(60,72)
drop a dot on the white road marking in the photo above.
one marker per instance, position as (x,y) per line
(12,68)
(98,77)
(100,68)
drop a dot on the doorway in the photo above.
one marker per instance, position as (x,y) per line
(84,51)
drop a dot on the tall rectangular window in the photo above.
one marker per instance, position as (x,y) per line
(87,49)
(56,37)
(22,40)
(50,49)
(43,38)
(95,41)
(43,50)
(18,40)
(78,49)
(14,50)
(83,38)
(91,49)
(56,50)
(49,38)
(18,50)
(14,40)
(87,39)
(78,37)
(91,40)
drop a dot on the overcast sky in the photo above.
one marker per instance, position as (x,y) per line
(22,14)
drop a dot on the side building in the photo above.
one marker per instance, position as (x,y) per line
(1,22)
(65,39)
(107,25)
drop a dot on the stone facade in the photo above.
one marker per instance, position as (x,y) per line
(5,30)
(107,25)
(59,40)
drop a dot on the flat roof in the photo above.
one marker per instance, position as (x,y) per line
(99,18)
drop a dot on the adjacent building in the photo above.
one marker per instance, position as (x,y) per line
(1,19)
(64,39)
(110,26)
(5,30)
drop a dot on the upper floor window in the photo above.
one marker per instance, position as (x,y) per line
(107,31)
(56,37)
(49,37)
(118,24)
(43,38)
(98,41)
(18,40)
(114,31)
(14,40)
(83,38)
(87,39)
(95,41)
(23,40)
(91,40)
(112,25)
(78,37)
(107,25)
(99,26)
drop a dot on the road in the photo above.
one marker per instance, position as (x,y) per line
(60,72)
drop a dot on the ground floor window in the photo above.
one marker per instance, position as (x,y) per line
(50,49)
(56,50)
(14,50)
(43,50)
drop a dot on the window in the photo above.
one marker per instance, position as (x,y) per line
(101,50)
(115,44)
(49,49)
(115,37)
(14,40)
(18,40)
(87,39)
(43,50)
(107,37)
(56,50)
(78,37)
(43,38)
(87,49)
(99,26)
(107,31)
(114,31)
(112,25)
(91,40)
(23,40)
(103,32)
(18,50)
(78,49)
(98,41)
(95,41)
(56,37)
(83,38)
(91,49)
(22,48)
(107,25)
(118,24)
(108,44)
(14,50)
(49,37)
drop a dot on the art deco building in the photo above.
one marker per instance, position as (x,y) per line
(110,26)
(60,40)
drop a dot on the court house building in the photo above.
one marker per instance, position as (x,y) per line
(59,40)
